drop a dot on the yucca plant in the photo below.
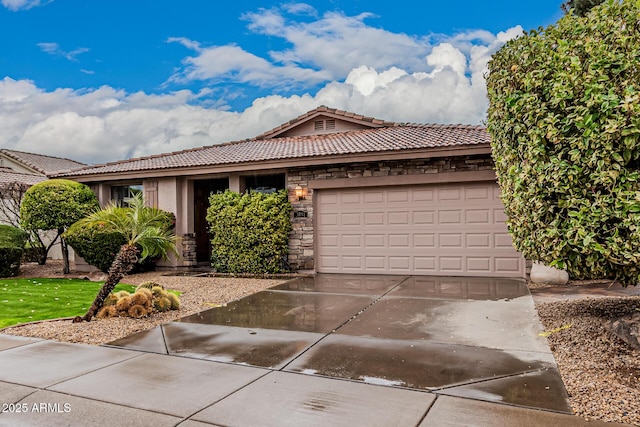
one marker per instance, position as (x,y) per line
(147,236)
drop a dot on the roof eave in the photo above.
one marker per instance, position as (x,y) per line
(432,152)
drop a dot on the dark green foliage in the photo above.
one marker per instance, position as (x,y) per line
(564,117)
(97,244)
(580,7)
(250,232)
(12,241)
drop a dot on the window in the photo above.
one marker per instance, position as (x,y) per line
(264,183)
(122,194)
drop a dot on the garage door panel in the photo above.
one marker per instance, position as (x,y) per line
(478,216)
(424,240)
(450,217)
(479,193)
(445,229)
(423,217)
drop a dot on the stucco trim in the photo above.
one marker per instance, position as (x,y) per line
(427,178)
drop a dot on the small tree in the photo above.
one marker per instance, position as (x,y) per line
(564,117)
(148,232)
(55,205)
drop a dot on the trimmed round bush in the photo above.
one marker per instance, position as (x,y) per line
(97,244)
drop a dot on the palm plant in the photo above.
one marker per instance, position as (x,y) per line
(147,235)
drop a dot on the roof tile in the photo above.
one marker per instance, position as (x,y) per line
(384,139)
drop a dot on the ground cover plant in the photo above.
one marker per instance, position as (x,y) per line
(28,300)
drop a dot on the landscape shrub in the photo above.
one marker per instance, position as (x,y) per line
(250,232)
(564,118)
(12,241)
(98,244)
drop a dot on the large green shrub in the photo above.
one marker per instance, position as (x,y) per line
(12,241)
(250,232)
(564,117)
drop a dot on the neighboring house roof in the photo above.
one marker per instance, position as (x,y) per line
(8,176)
(377,136)
(40,163)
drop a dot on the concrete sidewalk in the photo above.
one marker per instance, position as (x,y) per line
(331,350)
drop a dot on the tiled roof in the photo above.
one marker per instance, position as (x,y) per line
(396,137)
(41,163)
(8,176)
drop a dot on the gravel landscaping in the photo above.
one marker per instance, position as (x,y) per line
(601,372)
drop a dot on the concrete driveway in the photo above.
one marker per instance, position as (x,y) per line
(328,350)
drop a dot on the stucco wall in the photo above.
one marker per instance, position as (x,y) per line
(301,238)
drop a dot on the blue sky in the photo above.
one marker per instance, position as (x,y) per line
(148,76)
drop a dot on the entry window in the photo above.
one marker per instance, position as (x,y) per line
(122,194)
(264,183)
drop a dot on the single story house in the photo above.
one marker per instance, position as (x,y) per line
(368,196)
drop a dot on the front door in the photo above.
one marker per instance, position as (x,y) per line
(202,190)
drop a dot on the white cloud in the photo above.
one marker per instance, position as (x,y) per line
(54,49)
(232,63)
(15,5)
(356,67)
(322,50)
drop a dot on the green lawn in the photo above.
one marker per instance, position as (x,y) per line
(27,300)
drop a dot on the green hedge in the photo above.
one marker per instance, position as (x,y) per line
(250,232)
(12,241)
(564,119)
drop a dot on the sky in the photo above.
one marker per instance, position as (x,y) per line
(105,80)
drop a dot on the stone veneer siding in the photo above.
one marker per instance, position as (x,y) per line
(301,238)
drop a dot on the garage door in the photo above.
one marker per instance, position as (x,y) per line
(444,229)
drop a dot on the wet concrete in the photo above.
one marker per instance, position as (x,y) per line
(375,285)
(539,389)
(150,382)
(266,348)
(465,288)
(470,337)
(301,400)
(412,364)
(501,324)
(44,363)
(294,311)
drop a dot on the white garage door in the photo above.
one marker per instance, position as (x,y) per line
(444,229)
